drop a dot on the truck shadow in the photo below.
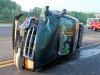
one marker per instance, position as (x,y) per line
(98,30)
(60,60)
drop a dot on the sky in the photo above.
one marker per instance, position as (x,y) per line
(70,5)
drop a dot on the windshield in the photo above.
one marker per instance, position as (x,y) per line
(96,20)
(90,20)
(67,26)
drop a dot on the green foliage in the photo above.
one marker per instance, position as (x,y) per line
(8,9)
(82,17)
(35,12)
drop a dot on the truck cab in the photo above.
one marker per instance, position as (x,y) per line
(95,24)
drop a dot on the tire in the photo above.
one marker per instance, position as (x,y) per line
(94,29)
(88,27)
(80,36)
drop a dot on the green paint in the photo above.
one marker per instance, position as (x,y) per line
(66,51)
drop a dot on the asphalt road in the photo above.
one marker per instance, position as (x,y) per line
(5,32)
(85,61)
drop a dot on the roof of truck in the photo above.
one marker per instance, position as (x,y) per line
(71,17)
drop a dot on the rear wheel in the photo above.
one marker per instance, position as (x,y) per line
(88,27)
(80,36)
(94,29)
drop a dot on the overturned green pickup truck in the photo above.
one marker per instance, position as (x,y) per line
(35,44)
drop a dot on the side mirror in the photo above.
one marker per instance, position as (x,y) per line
(64,11)
(18,16)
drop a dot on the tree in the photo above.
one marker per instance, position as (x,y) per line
(81,16)
(8,9)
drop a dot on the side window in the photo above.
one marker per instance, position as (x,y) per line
(89,20)
(67,21)
(67,26)
(99,20)
(95,20)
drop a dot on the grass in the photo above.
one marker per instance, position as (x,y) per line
(5,24)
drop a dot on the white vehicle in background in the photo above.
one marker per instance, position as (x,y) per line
(89,20)
(93,23)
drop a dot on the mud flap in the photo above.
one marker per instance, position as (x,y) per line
(80,35)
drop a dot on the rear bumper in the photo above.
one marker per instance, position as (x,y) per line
(98,28)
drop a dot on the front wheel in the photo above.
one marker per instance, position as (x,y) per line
(88,27)
(94,29)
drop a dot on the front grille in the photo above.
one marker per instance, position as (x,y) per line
(29,43)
